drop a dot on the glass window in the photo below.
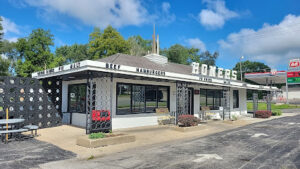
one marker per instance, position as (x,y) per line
(138,99)
(236,99)
(151,98)
(211,98)
(163,96)
(203,97)
(77,98)
(124,99)
(132,99)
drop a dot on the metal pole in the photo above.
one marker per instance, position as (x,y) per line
(111,99)
(241,69)
(6,136)
(287,89)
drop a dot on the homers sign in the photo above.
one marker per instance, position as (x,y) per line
(213,71)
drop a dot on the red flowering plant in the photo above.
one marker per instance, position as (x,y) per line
(187,120)
(263,114)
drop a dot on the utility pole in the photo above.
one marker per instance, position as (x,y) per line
(242,57)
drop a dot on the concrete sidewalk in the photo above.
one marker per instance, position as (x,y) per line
(65,136)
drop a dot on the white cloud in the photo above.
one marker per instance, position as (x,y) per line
(12,39)
(196,43)
(165,17)
(216,14)
(100,13)
(9,26)
(273,44)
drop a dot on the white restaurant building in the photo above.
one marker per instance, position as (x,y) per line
(132,87)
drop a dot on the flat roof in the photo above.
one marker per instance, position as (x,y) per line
(128,65)
(263,78)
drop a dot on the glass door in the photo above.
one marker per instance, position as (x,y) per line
(191,101)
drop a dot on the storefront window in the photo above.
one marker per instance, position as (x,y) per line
(151,98)
(133,99)
(124,98)
(203,97)
(77,98)
(138,99)
(163,96)
(236,99)
(211,98)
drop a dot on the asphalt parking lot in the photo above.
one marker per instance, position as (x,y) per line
(269,144)
(29,154)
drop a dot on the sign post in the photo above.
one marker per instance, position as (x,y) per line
(292,76)
(6,136)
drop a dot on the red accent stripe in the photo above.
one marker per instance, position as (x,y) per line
(255,73)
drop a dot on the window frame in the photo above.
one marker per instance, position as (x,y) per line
(145,104)
(78,84)
(214,91)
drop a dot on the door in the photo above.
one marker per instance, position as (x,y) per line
(191,101)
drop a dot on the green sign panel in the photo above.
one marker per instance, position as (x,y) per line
(293,80)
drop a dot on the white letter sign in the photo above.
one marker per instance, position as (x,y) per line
(204,69)
(212,71)
(227,74)
(220,72)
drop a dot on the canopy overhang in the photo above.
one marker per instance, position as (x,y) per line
(80,70)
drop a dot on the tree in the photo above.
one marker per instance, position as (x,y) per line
(106,43)
(73,53)
(4,65)
(179,54)
(34,53)
(9,51)
(139,46)
(249,67)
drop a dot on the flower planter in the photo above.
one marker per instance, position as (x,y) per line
(101,142)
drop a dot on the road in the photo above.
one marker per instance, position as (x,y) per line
(269,144)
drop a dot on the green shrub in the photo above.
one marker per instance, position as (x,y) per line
(276,112)
(96,135)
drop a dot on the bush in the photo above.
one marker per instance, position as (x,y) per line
(263,114)
(96,135)
(187,120)
(276,112)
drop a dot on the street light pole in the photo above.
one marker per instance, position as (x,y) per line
(242,57)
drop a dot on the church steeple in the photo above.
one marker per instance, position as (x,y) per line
(153,40)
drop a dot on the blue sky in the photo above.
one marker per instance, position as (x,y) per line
(261,30)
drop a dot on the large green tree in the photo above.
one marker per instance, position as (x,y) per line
(185,55)
(249,67)
(106,43)
(34,53)
(4,63)
(9,51)
(139,46)
(73,53)
(179,54)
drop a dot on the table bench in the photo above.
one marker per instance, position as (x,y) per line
(32,128)
(17,131)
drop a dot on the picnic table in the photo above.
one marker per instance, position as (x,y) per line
(11,126)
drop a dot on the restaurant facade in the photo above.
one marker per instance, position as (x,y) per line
(131,88)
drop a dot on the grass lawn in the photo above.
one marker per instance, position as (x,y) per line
(263,106)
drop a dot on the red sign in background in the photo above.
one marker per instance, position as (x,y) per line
(293,74)
(294,63)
